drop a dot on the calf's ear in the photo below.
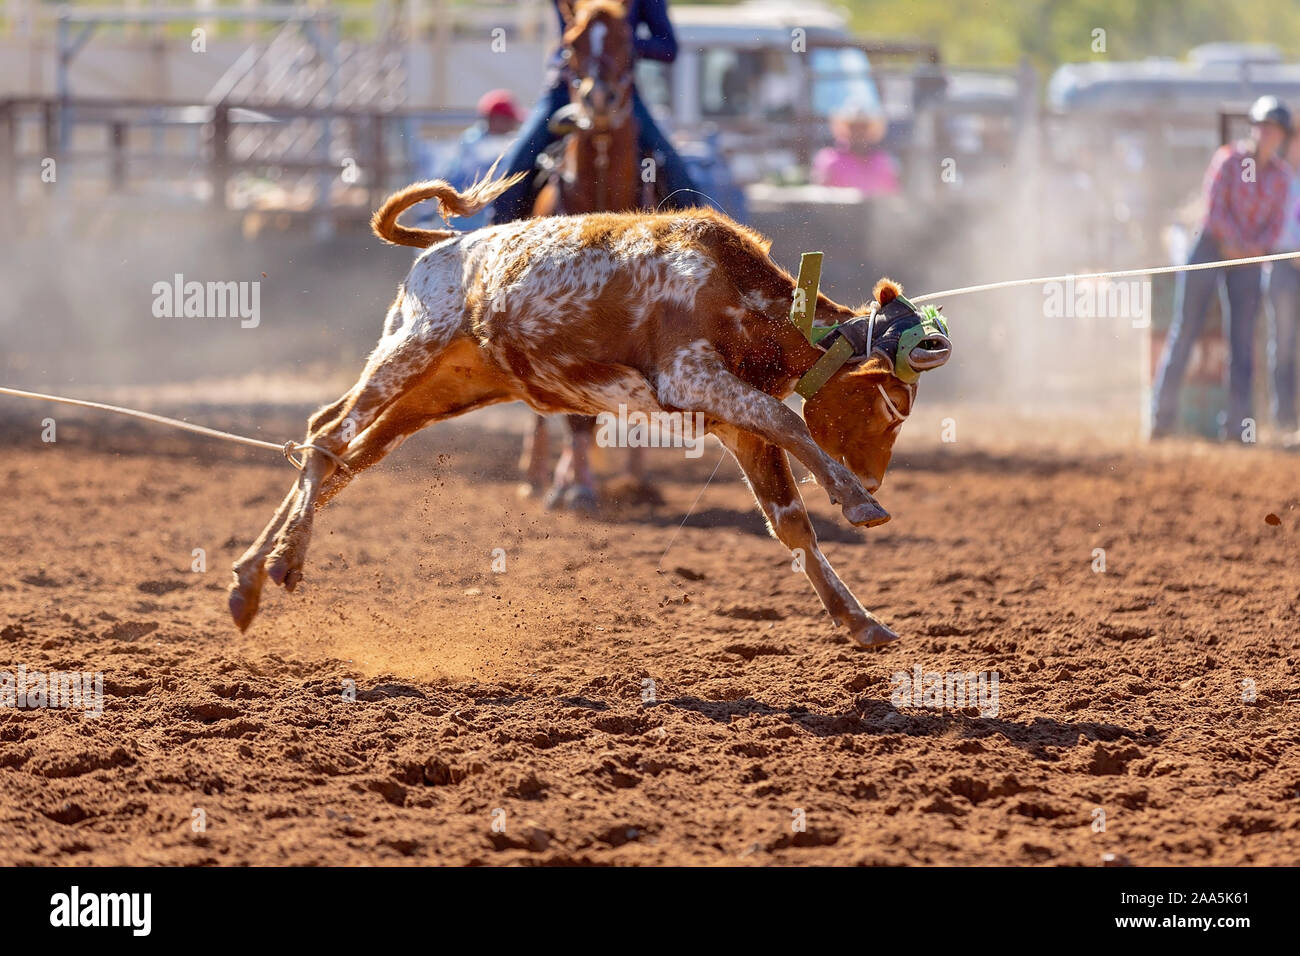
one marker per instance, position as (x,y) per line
(886,291)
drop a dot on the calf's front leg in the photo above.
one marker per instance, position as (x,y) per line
(698,381)
(768,472)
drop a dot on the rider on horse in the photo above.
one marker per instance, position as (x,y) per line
(657,42)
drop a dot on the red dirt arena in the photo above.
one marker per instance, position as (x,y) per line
(602,705)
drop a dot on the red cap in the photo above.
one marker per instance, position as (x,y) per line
(499,103)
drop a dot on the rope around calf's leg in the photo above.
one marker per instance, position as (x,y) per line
(292,447)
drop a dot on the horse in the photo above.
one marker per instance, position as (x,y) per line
(598,171)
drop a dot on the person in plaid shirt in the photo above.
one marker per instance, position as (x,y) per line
(1246,190)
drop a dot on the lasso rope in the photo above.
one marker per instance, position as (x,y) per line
(288,449)
(1161,270)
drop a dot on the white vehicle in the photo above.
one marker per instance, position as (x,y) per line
(766,76)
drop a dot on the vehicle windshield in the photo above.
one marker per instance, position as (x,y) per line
(842,77)
(762,84)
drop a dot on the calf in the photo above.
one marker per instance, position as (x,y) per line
(683,311)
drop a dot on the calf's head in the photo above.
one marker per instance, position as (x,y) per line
(856,415)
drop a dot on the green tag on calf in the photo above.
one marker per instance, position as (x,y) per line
(805,296)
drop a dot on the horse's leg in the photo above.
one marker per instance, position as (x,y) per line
(536,455)
(581,494)
(574,487)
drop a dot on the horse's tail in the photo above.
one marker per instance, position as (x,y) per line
(451,202)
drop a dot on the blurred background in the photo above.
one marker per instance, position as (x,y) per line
(248,142)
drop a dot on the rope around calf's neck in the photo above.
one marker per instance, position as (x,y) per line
(288,449)
(1123,274)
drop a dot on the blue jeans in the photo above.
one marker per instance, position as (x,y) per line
(1283,325)
(1191,303)
(534,136)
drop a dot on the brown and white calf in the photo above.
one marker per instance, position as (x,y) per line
(682,311)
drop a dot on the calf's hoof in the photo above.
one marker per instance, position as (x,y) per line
(872,634)
(243,607)
(284,566)
(866,514)
(277,569)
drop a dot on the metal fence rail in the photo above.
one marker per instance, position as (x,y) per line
(198,152)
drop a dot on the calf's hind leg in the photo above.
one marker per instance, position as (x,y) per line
(383,409)
(768,472)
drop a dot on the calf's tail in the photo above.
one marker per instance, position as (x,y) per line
(451,202)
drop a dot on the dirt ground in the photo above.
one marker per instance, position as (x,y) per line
(499,717)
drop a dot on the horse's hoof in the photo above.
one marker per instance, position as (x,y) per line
(580,498)
(527,490)
(554,499)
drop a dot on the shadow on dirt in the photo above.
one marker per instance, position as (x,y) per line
(1032,463)
(880,718)
(747,522)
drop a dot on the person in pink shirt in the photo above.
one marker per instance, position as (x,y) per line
(856,161)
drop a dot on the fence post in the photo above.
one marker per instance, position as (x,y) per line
(378,161)
(50,128)
(220,167)
(8,155)
(117,167)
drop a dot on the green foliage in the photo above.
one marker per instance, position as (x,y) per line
(1051,32)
